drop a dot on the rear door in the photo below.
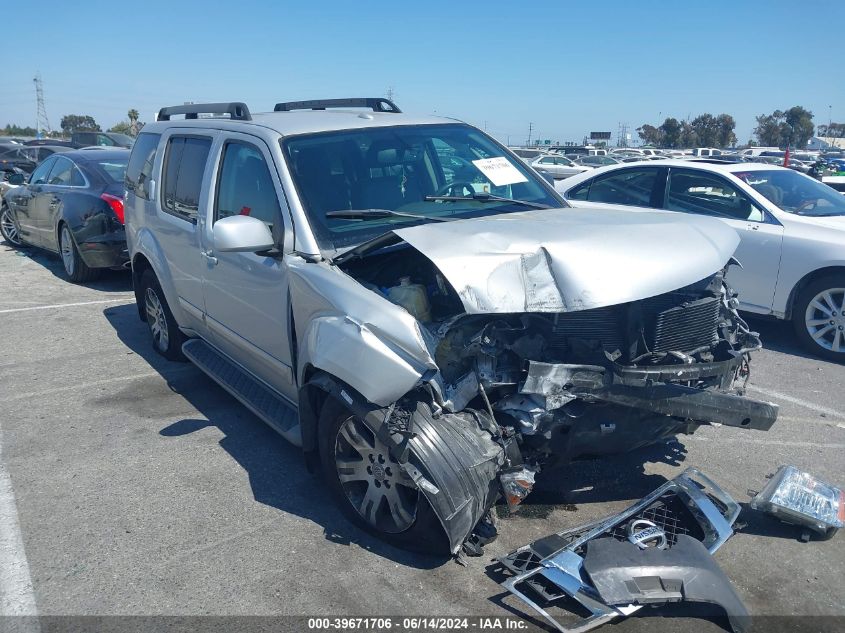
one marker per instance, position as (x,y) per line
(180,198)
(761,236)
(246,294)
(64,178)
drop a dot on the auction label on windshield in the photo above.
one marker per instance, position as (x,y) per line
(500,171)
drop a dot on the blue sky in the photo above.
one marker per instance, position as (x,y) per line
(566,67)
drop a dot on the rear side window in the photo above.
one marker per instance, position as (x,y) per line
(65,174)
(245,185)
(626,186)
(140,168)
(184,165)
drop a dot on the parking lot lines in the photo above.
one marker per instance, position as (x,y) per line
(17,597)
(69,305)
(799,401)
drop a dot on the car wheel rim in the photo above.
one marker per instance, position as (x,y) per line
(157,320)
(67,251)
(825,319)
(376,486)
(10,231)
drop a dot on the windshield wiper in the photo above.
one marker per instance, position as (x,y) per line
(486,197)
(366,214)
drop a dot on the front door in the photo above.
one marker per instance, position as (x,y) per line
(24,202)
(761,238)
(246,294)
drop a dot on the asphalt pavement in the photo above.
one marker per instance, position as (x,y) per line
(131,485)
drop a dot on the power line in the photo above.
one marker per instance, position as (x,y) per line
(41,121)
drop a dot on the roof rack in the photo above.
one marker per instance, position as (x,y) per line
(236,110)
(376,104)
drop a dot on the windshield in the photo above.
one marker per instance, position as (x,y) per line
(795,193)
(395,168)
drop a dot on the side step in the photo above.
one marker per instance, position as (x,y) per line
(272,408)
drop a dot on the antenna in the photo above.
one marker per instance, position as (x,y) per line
(41,121)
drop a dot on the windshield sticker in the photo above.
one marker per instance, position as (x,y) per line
(500,171)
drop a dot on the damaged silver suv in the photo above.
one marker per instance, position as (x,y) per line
(419,311)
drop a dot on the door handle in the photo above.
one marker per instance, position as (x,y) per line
(209,257)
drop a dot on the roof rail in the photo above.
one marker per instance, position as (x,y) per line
(236,110)
(376,104)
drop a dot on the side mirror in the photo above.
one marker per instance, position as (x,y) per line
(241,233)
(16,179)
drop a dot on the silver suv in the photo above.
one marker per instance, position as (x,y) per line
(412,305)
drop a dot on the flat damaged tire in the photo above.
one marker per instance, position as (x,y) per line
(167,338)
(372,490)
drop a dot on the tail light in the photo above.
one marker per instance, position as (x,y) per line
(116,205)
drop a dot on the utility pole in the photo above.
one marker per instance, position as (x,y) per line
(530,129)
(390,93)
(41,121)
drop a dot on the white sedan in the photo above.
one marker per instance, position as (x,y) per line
(791,227)
(558,166)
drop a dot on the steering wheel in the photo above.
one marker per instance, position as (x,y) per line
(809,204)
(456,188)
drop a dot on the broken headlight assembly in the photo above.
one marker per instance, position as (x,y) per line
(799,498)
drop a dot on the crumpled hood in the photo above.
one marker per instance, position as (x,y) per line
(562,260)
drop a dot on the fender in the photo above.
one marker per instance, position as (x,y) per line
(146,244)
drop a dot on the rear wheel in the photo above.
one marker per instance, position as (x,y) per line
(373,491)
(8,227)
(76,269)
(167,338)
(819,317)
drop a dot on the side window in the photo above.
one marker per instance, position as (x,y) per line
(184,165)
(245,186)
(39,176)
(626,186)
(65,174)
(692,191)
(102,139)
(140,167)
(580,192)
(548,160)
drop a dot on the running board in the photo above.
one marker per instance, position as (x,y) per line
(272,408)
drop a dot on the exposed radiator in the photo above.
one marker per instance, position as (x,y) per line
(686,327)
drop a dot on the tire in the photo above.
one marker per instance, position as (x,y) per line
(76,269)
(9,228)
(412,524)
(819,317)
(165,334)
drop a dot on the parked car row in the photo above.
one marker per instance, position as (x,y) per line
(791,227)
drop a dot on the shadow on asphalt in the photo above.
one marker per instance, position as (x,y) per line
(778,336)
(109,280)
(276,469)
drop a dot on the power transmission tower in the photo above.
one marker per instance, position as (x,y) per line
(530,129)
(390,93)
(41,121)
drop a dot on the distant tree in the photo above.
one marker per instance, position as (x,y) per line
(122,128)
(75,122)
(792,127)
(835,130)
(725,126)
(687,136)
(671,130)
(133,121)
(16,130)
(650,135)
(705,128)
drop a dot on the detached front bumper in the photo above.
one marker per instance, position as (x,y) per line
(558,568)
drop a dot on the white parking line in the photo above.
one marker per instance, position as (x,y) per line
(68,305)
(94,383)
(17,597)
(801,403)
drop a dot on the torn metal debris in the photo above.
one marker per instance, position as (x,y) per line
(657,551)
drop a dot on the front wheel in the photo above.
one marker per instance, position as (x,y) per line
(819,317)
(8,227)
(371,488)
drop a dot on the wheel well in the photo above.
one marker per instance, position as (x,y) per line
(807,280)
(139,265)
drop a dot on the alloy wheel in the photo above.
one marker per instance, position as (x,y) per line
(10,229)
(825,319)
(157,320)
(66,247)
(381,492)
